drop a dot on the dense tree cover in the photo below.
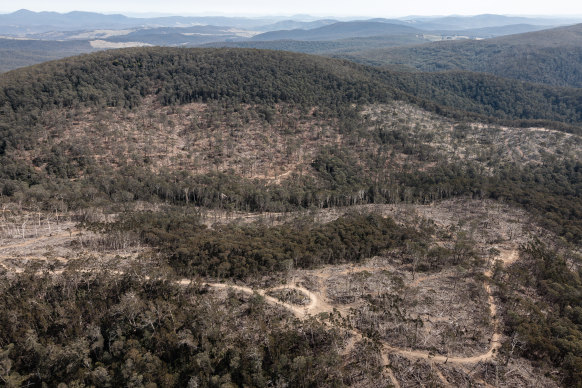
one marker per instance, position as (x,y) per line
(549,330)
(490,96)
(246,252)
(557,65)
(122,77)
(107,330)
(552,192)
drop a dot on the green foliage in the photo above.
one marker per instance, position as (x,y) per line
(551,191)
(177,76)
(248,251)
(341,177)
(108,330)
(524,57)
(337,168)
(555,336)
(486,96)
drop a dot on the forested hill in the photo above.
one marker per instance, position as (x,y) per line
(552,57)
(340,30)
(570,36)
(138,185)
(177,76)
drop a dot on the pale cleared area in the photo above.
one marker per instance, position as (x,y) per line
(100,34)
(103,44)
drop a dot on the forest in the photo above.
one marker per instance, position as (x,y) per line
(146,333)
(549,57)
(158,148)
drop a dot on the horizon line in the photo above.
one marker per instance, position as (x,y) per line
(150,15)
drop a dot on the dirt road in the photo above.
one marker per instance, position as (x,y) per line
(319,304)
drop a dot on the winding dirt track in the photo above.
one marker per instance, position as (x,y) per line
(318,305)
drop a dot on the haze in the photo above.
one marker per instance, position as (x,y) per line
(378,8)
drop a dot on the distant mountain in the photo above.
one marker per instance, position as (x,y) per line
(340,30)
(296,24)
(184,36)
(561,36)
(327,47)
(455,22)
(492,32)
(26,22)
(552,57)
(31,18)
(20,52)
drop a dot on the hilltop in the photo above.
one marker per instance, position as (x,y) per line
(245,76)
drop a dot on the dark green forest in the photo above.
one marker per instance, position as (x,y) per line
(254,251)
(175,76)
(556,65)
(548,329)
(107,330)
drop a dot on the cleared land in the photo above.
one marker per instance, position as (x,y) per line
(442,326)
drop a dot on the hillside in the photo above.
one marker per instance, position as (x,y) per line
(326,47)
(458,22)
(201,74)
(232,217)
(339,30)
(22,53)
(549,56)
(569,36)
(296,24)
(281,88)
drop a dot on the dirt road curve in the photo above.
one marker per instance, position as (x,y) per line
(318,305)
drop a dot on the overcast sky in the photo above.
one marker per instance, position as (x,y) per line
(375,8)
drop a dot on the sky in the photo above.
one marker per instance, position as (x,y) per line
(373,8)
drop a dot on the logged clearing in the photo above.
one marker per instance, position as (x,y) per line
(441,324)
